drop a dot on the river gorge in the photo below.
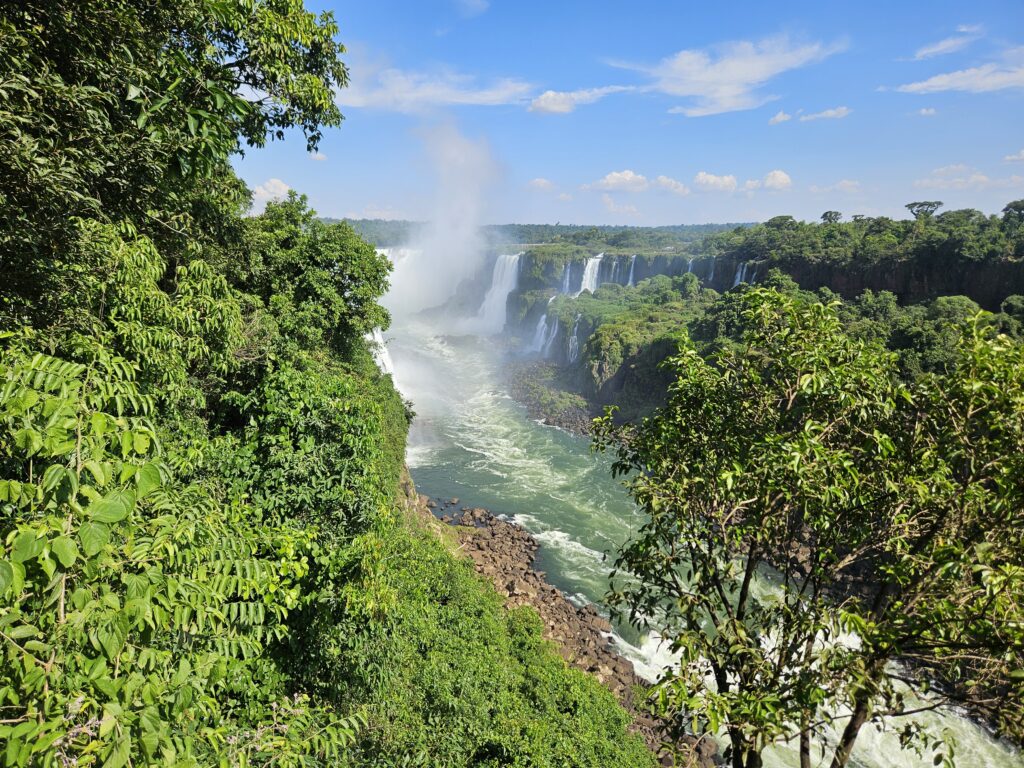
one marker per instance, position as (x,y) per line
(470,440)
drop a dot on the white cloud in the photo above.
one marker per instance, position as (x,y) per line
(983,79)
(959,176)
(565,197)
(777,180)
(473,7)
(780,117)
(751,184)
(843,185)
(317,156)
(725,78)
(673,186)
(712,183)
(563,102)
(1016,158)
(927,112)
(614,207)
(621,181)
(271,189)
(403,91)
(829,114)
(968,33)
(541,183)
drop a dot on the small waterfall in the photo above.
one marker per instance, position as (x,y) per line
(551,333)
(381,356)
(504,279)
(689,267)
(574,341)
(632,266)
(566,276)
(711,277)
(741,274)
(591,273)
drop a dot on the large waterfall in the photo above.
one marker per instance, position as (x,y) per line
(504,279)
(591,272)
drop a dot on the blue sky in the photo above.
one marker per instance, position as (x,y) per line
(665,112)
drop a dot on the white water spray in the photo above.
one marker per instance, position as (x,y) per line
(381,356)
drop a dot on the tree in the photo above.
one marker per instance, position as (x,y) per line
(831,217)
(924,209)
(799,460)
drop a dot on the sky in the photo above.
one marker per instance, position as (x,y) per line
(650,113)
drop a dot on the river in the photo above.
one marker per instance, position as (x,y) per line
(471,441)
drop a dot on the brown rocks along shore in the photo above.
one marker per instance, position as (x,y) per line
(504,553)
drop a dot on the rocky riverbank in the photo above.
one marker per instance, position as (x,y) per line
(535,385)
(504,553)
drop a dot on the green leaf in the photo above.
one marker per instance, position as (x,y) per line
(26,546)
(148,479)
(65,549)
(112,635)
(112,508)
(94,536)
(6,576)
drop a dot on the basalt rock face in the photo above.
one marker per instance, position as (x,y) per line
(987,283)
(504,553)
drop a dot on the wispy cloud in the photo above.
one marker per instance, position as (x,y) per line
(541,183)
(1008,72)
(317,156)
(843,185)
(927,112)
(966,34)
(614,207)
(472,7)
(400,90)
(829,114)
(960,176)
(780,117)
(726,77)
(709,182)
(621,181)
(1015,158)
(563,102)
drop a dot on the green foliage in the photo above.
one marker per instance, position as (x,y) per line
(803,452)
(136,611)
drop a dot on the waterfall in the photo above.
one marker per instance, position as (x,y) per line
(689,266)
(551,333)
(711,277)
(544,334)
(566,275)
(590,274)
(574,341)
(632,265)
(741,274)
(504,279)
(381,356)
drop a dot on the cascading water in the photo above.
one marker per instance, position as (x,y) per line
(591,273)
(381,356)
(741,272)
(632,266)
(711,277)
(566,276)
(490,319)
(689,267)
(574,341)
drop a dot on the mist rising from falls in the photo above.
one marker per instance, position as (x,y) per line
(451,247)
